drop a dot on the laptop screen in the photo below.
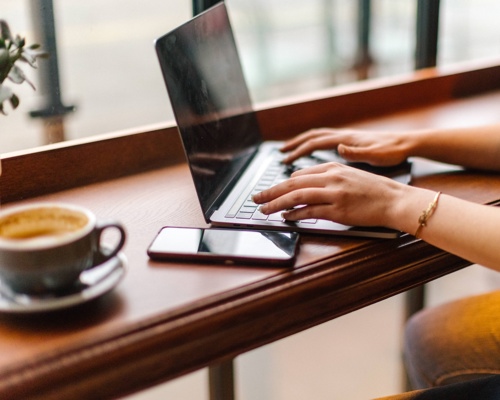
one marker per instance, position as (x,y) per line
(210,100)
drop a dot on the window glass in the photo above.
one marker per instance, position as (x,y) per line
(292,46)
(108,68)
(469,30)
(393,37)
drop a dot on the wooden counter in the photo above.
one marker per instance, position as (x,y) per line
(167,319)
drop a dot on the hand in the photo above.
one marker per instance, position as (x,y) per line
(376,148)
(335,192)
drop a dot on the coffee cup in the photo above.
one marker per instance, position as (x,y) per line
(45,247)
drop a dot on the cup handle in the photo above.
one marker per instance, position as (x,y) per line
(103,254)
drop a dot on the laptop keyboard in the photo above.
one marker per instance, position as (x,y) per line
(275,173)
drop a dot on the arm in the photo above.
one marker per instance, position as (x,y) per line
(353,197)
(474,236)
(477,147)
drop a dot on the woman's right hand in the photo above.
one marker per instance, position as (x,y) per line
(343,194)
(375,148)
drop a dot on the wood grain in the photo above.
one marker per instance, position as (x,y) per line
(167,319)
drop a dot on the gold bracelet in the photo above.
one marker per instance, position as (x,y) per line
(426,214)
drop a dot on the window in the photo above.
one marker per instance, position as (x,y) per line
(109,72)
(468,30)
(107,67)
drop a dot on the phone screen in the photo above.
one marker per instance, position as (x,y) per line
(226,245)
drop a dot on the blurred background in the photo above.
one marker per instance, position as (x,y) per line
(110,80)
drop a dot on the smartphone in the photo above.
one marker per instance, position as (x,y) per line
(230,246)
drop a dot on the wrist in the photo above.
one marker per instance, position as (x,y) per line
(417,142)
(407,207)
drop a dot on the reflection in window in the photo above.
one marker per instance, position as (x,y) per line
(108,67)
(292,46)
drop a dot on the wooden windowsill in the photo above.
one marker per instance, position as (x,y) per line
(52,168)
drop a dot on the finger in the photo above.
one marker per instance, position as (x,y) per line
(371,155)
(317,169)
(320,143)
(317,211)
(312,177)
(290,185)
(301,151)
(294,199)
(354,154)
(301,138)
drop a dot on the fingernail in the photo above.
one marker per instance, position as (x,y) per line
(262,209)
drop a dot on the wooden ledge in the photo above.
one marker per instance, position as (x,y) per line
(71,164)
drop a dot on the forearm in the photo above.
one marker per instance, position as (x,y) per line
(466,229)
(471,147)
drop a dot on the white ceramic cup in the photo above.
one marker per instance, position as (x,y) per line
(44,247)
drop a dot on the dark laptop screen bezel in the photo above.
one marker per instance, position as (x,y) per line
(211,102)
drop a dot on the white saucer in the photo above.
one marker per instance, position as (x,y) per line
(93,283)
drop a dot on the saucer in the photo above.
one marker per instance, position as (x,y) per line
(93,283)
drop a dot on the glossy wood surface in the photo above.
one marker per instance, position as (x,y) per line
(167,319)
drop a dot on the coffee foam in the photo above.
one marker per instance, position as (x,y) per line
(41,222)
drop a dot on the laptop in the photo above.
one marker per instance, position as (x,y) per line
(220,133)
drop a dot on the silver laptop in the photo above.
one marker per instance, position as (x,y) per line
(228,158)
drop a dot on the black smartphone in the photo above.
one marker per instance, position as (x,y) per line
(230,246)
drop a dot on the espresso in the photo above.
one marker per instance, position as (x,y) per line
(46,221)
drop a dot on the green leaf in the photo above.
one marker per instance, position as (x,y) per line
(19,41)
(5,93)
(5,30)
(28,58)
(14,101)
(13,49)
(4,59)
(30,83)
(16,75)
(35,52)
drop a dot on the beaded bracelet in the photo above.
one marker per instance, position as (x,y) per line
(426,214)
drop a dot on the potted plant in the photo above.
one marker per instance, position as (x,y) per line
(13,50)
